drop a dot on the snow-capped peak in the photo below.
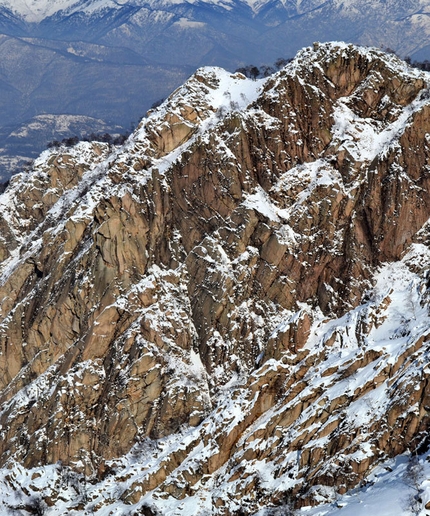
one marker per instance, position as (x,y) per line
(35,11)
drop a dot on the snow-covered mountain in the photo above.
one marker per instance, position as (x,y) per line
(34,11)
(25,142)
(229,314)
(403,25)
(98,57)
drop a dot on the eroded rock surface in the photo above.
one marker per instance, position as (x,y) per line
(220,296)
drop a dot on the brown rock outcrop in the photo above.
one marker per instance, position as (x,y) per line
(209,278)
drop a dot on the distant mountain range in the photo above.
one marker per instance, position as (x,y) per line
(271,25)
(112,59)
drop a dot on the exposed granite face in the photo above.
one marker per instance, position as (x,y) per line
(136,285)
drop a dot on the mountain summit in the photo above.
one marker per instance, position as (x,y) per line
(112,60)
(230,312)
(34,11)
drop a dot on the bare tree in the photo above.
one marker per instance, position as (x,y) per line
(413,478)
(35,505)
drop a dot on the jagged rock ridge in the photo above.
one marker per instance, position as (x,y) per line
(111,60)
(233,306)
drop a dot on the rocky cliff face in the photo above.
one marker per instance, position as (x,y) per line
(231,308)
(111,60)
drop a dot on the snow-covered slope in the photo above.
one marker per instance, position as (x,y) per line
(388,492)
(229,314)
(34,11)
